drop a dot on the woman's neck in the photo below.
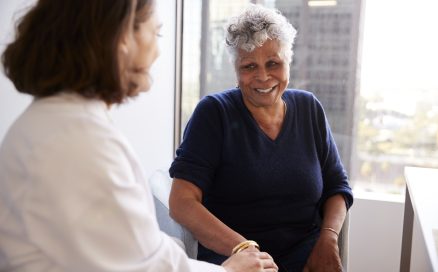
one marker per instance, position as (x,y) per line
(270,119)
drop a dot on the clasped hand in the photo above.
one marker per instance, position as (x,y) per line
(250,260)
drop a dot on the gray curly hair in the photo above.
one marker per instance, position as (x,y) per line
(255,26)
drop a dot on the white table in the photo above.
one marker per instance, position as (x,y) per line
(422,206)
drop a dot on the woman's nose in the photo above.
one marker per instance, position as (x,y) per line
(262,74)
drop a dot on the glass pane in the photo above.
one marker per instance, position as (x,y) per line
(397,109)
(383,113)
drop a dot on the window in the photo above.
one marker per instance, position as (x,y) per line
(372,67)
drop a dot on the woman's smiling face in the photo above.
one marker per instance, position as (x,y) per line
(262,74)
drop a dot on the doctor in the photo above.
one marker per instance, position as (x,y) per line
(72,193)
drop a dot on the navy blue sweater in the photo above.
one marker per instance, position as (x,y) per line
(268,190)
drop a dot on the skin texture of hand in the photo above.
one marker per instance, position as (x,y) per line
(250,261)
(325,255)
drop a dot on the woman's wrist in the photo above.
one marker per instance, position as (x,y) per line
(329,234)
(332,230)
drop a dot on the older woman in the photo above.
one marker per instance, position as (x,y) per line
(72,193)
(258,166)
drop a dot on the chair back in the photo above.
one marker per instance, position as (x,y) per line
(161,184)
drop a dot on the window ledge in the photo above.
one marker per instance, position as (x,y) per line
(397,198)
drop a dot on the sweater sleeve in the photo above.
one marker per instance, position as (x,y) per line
(334,174)
(200,151)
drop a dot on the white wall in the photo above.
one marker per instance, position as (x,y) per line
(11,103)
(376,227)
(147,121)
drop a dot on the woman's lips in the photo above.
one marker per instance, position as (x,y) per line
(268,90)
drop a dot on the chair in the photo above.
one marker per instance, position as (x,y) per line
(343,242)
(161,184)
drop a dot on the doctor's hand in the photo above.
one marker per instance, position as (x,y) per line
(250,261)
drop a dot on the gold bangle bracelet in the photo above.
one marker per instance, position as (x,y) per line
(332,230)
(244,245)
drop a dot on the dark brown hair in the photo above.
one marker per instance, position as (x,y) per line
(70,45)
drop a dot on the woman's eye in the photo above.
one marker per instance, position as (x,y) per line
(249,67)
(271,64)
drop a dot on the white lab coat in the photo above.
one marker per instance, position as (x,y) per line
(73,196)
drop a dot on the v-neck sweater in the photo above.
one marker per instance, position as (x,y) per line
(267,190)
